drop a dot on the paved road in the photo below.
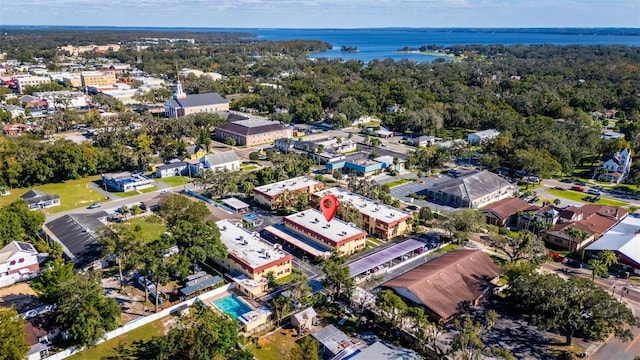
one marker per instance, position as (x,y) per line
(616,349)
(551,183)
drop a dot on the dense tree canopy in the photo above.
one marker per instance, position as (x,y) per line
(19,223)
(570,307)
(12,341)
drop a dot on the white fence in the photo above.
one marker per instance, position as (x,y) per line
(134,324)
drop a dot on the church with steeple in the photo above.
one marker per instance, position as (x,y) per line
(182,104)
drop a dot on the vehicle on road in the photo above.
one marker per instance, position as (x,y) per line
(566,181)
(580,183)
(573,263)
(577,188)
(94,206)
(593,191)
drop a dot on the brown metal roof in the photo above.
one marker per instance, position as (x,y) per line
(508,207)
(442,285)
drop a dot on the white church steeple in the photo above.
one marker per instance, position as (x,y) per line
(179,94)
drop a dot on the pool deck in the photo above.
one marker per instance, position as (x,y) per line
(251,320)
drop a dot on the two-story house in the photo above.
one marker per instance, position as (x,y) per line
(614,168)
(18,262)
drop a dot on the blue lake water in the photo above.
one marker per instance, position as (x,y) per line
(383,43)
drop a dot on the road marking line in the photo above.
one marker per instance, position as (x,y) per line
(632,343)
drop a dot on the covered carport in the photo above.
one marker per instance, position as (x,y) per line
(385,258)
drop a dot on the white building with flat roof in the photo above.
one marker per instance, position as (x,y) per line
(346,238)
(379,219)
(270,195)
(251,255)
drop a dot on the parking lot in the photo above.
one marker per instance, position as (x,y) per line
(402,191)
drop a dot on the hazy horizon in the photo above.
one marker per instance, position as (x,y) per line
(325,14)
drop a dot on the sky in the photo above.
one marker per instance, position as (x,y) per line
(324,13)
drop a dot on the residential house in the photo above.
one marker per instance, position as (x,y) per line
(15,111)
(614,168)
(177,168)
(126,181)
(250,131)
(612,135)
(576,228)
(481,137)
(30,101)
(321,150)
(37,200)
(380,351)
(38,335)
(473,189)
(304,320)
(378,219)
(196,152)
(182,104)
(449,284)
(270,195)
(624,240)
(18,262)
(424,140)
(15,129)
(506,212)
(219,161)
(334,344)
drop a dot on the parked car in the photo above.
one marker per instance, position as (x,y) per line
(574,263)
(94,206)
(566,181)
(593,191)
(580,183)
(577,188)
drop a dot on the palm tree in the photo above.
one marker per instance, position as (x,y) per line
(598,267)
(608,257)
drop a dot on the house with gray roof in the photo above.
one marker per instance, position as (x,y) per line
(37,200)
(182,104)
(171,169)
(473,189)
(482,136)
(223,160)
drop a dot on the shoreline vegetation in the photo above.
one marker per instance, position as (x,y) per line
(433,50)
(351,49)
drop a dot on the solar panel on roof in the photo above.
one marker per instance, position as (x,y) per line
(24,246)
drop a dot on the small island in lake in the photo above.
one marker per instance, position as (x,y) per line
(350,49)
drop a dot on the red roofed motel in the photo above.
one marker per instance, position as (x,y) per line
(270,196)
(335,234)
(379,219)
(252,256)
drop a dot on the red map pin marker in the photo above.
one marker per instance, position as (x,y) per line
(329,206)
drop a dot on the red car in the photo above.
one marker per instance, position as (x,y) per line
(577,188)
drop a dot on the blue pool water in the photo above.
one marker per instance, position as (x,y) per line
(232,305)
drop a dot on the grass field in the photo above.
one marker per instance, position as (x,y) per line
(175,180)
(73,194)
(248,167)
(148,190)
(113,348)
(149,228)
(398,182)
(578,196)
(274,345)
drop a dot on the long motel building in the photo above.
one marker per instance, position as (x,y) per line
(311,224)
(250,258)
(270,195)
(380,220)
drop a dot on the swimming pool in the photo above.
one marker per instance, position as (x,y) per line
(232,305)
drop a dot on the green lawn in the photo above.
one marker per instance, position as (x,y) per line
(175,180)
(447,248)
(248,167)
(274,345)
(113,348)
(73,194)
(578,196)
(125,194)
(148,190)
(149,228)
(398,182)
